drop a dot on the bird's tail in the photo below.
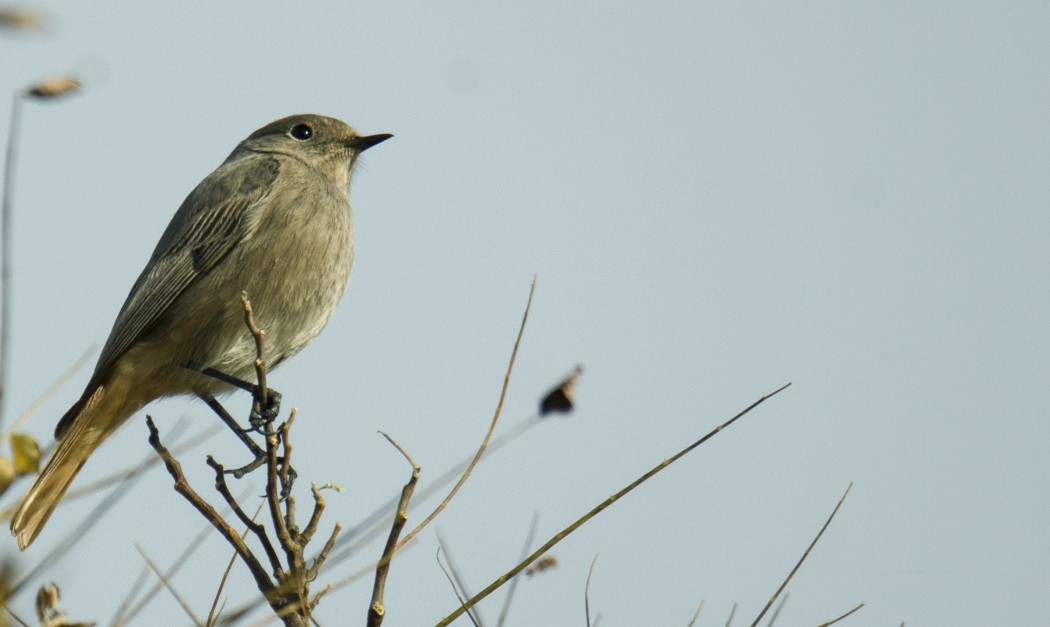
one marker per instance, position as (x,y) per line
(98,415)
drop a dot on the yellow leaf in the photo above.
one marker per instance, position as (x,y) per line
(7,474)
(26,453)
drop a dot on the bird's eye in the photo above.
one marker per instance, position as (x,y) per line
(301,132)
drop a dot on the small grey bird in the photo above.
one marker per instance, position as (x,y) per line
(273,220)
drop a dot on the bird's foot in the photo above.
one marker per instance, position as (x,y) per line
(261,416)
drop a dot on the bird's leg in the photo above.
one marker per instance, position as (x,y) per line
(242,434)
(257,452)
(260,416)
(260,420)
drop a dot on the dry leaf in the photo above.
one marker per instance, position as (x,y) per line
(560,399)
(54,86)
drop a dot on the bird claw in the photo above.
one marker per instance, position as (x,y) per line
(261,417)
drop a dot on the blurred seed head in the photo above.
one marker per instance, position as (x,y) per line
(48,612)
(47,604)
(54,87)
(561,398)
(20,19)
(546,562)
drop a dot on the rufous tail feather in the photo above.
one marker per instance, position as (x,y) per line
(99,417)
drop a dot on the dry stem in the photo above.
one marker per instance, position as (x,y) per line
(803,558)
(596,510)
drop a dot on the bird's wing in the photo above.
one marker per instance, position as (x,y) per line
(208,225)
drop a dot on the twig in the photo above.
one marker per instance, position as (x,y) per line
(366,530)
(273,499)
(377,608)
(260,345)
(587,592)
(212,614)
(452,582)
(833,621)
(51,390)
(49,88)
(458,582)
(696,615)
(488,434)
(732,614)
(123,615)
(62,548)
(147,463)
(374,524)
(337,585)
(262,579)
(15,616)
(599,508)
(776,613)
(119,616)
(249,522)
(804,556)
(167,584)
(315,518)
(311,574)
(287,474)
(5,244)
(288,592)
(529,539)
(358,535)
(295,581)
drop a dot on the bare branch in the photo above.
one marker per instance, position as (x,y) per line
(323,555)
(273,499)
(262,579)
(249,522)
(286,472)
(377,608)
(315,518)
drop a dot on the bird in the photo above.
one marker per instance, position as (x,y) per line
(273,220)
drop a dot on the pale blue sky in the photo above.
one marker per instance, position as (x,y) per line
(717,199)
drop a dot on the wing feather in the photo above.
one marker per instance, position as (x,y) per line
(208,225)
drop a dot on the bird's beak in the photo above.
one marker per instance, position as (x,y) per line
(364,143)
